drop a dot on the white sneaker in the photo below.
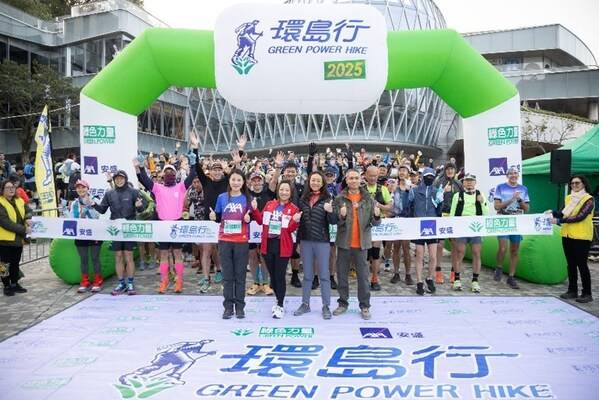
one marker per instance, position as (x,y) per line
(278,313)
(274,310)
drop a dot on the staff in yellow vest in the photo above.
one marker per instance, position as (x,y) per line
(576,219)
(15,224)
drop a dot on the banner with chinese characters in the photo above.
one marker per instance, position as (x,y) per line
(207,231)
(108,143)
(492,145)
(117,347)
(301,59)
(44,168)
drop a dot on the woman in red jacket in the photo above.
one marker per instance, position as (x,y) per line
(279,219)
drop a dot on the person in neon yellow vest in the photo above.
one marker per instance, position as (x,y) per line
(15,224)
(576,219)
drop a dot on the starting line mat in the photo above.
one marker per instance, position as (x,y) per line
(178,347)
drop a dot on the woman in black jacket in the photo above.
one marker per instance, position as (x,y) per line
(316,205)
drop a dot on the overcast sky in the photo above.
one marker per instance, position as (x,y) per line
(580,16)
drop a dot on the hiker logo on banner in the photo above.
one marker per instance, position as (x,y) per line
(330,59)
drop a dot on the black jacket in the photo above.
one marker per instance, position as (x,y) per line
(314,225)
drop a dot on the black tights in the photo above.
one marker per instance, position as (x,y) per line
(277,268)
(577,254)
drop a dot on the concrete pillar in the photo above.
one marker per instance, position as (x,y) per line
(594,110)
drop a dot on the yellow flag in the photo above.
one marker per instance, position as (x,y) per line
(44,171)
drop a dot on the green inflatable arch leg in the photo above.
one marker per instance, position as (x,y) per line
(65,262)
(542,258)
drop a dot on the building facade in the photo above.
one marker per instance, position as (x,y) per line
(78,46)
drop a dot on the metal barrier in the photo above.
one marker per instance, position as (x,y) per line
(38,248)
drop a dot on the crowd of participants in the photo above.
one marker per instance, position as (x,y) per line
(295,199)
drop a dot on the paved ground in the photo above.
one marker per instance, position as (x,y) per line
(48,295)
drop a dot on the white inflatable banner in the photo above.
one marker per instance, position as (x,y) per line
(108,143)
(207,231)
(325,59)
(492,144)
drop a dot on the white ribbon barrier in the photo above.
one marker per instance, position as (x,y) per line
(207,231)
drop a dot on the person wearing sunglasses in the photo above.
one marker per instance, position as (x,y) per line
(576,219)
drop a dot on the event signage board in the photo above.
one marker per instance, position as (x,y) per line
(178,347)
(324,59)
(207,231)
(108,143)
(492,145)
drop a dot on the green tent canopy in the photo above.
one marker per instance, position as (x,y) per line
(585,156)
(585,160)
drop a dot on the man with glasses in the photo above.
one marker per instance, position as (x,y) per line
(510,198)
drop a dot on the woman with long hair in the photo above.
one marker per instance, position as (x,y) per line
(232,211)
(279,219)
(576,219)
(316,205)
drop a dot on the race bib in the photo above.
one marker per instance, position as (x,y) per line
(232,227)
(274,228)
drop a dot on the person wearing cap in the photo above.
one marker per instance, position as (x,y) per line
(335,184)
(401,209)
(468,202)
(290,173)
(380,194)
(83,207)
(124,202)
(424,199)
(414,177)
(170,199)
(451,185)
(510,198)
(258,269)
(213,186)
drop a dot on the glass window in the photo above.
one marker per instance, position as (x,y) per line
(112,46)
(40,59)
(57,61)
(93,56)
(77,59)
(2,51)
(18,55)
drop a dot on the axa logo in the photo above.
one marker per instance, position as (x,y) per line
(90,165)
(376,333)
(243,58)
(164,371)
(69,228)
(234,208)
(428,227)
(498,166)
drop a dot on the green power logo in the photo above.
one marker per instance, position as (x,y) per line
(475,226)
(137,230)
(99,134)
(276,332)
(502,135)
(501,225)
(112,230)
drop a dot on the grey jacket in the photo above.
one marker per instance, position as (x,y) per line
(121,202)
(365,216)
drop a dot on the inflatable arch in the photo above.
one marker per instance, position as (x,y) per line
(438,59)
